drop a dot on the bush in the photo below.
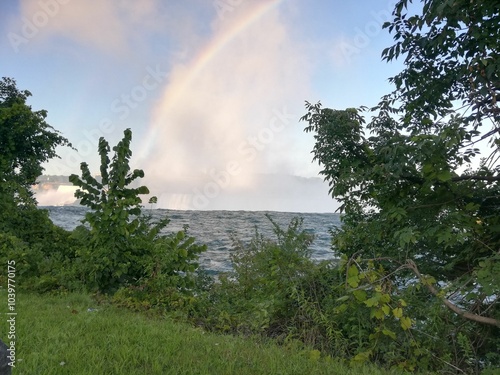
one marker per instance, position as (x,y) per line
(170,276)
(124,247)
(348,308)
(259,295)
(43,252)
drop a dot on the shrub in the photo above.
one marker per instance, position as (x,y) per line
(124,247)
(257,297)
(42,251)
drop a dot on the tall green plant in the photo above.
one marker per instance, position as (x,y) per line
(124,247)
(114,204)
(119,237)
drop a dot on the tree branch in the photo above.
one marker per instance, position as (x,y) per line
(465,314)
(477,178)
(420,180)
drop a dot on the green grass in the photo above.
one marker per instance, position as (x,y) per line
(57,335)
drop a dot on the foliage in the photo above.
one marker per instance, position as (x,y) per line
(451,54)
(26,142)
(43,252)
(256,296)
(277,291)
(420,208)
(123,246)
(27,235)
(57,329)
(113,255)
(171,275)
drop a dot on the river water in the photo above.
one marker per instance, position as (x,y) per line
(214,228)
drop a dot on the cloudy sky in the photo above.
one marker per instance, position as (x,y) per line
(212,89)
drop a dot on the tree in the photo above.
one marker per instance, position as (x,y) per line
(26,142)
(418,195)
(112,254)
(27,235)
(123,247)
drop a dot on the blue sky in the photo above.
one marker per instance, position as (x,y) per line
(212,90)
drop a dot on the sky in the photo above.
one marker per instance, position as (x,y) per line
(212,90)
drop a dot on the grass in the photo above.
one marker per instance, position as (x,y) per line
(59,335)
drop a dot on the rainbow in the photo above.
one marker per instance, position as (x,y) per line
(216,45)
(204,57)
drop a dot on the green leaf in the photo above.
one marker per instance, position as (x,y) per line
(428,280)
(444,175)
(377,313)
(360,295)
(384,298)
(353,281)
(405,322)
(342,308)
(362,357)
(389,333)
(342,299)
(386,309)
(370,302)
(352,271)
(397,312)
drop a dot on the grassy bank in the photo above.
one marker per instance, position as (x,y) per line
(60,335)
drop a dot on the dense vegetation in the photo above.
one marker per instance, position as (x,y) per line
(123,247)
(71,334)
(416,287)
(421,228)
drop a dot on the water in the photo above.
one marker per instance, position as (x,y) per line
(214,229)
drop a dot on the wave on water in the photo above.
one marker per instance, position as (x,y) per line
(215,229)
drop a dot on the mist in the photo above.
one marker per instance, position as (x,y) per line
(228,116)
(221,129)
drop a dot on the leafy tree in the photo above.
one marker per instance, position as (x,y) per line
(123,246)
(114,218)
(417,193)
(27,234)
(111,200)
(26,142)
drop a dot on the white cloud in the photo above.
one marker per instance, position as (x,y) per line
(117,27)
